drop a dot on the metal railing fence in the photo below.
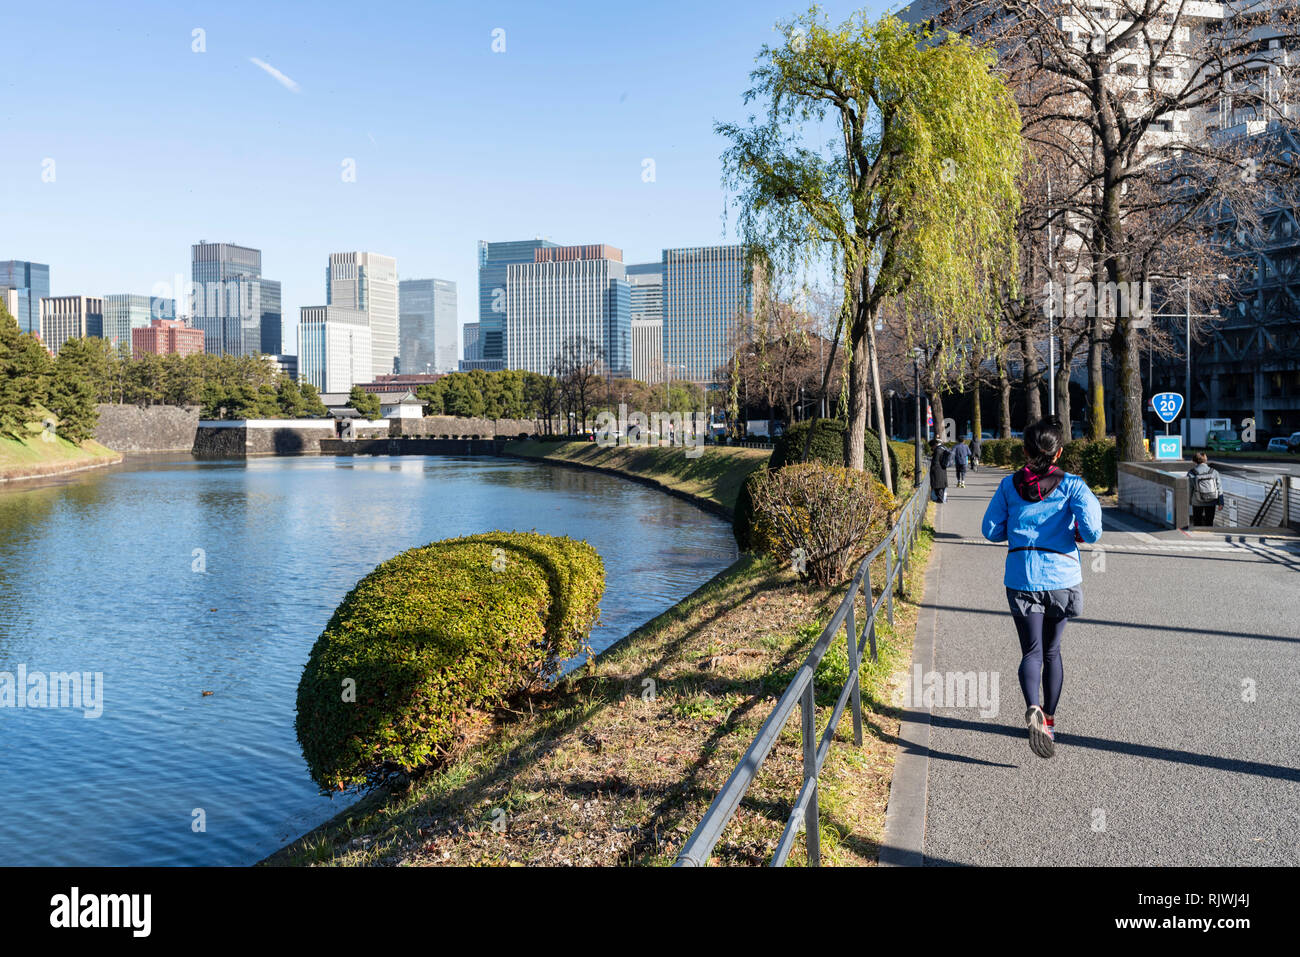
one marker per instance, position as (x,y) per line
(897,548)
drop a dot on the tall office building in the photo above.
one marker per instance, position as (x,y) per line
(493,261)
(427,321)
(126,311)
(648,350)
(707,295)
(334,347)
(270,320)
(367,282)
(569,296)
(646,282)
(30,283)
(227,301)
(646,287)
(70,317)
(471,343)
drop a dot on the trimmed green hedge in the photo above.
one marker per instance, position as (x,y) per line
(1008,452)
(1096,462)
(433,633)
(827,448)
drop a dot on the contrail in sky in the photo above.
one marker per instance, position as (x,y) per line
(283,80)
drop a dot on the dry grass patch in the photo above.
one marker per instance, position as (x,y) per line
(618,763)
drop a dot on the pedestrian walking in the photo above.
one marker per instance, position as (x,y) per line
(960,459)
(1041,512)
(974,451)
(940,459)
(1206,491)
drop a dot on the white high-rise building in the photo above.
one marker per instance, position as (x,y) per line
(571,297)
(648,350)
(367,282)
(334,348)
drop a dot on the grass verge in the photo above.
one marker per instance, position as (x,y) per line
(618,763)
(41,455)
(714,477)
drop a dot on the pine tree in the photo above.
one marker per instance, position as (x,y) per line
(72,390)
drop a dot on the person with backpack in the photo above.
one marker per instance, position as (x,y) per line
(940,459)
(1206,491)
(1041,512)
(960,459)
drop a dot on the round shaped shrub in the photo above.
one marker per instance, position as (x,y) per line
(430,635)
(828,447)
(821,517)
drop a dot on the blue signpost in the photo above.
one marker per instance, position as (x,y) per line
(1167,406)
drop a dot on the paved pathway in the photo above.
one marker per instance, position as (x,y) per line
(1159,758)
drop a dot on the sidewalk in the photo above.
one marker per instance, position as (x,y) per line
(1159,759)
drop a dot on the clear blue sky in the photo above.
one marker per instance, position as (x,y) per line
(156,147)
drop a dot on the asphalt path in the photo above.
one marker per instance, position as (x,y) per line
(1179,725)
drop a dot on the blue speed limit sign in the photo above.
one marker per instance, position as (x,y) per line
(1167,405)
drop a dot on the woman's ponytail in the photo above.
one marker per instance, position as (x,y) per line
(1043,439)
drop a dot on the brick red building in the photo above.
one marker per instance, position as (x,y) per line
(166,337)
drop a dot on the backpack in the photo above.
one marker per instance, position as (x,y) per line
(1205,486)
(945,458)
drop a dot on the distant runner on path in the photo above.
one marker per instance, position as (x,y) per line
(960,459)
(1041,512)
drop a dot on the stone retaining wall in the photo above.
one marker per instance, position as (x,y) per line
(151,428)
(449,426)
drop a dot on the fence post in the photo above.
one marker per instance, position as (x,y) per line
(808,712)
(889,580)
(871,619)
(855,663)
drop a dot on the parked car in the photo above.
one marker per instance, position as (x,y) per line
(1294,442)
(1223,440)
(1279,444)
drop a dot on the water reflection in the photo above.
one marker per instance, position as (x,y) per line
(174,577)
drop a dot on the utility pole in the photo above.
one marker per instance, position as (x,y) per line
(1186,424)
(916,387)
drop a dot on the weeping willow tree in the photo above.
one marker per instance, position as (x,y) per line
(889,155)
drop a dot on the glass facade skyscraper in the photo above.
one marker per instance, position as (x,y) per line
(31,283)
(428,325)
(707,294)
(226,300)
(126,311)
(493,261)
(270,320)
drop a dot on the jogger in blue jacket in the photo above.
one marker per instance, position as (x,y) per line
(1041,513)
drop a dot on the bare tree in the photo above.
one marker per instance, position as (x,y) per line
(1135,97)
(579,368)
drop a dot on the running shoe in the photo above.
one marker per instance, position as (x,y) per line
(1042,741)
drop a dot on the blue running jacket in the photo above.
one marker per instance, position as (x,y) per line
(1042,554)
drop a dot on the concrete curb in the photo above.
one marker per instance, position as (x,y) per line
(904,841)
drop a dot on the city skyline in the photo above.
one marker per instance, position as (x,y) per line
(275,181)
